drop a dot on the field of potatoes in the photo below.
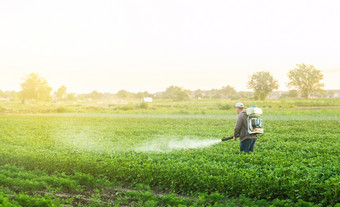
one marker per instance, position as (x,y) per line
(160,159)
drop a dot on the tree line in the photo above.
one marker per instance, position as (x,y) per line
(304,80)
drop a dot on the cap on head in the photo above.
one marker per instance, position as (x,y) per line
(239,105)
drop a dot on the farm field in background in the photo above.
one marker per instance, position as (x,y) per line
(159,106)
(104,154)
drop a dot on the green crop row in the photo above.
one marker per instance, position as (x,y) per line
(37,188)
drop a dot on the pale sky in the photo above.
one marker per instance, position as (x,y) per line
(108,45)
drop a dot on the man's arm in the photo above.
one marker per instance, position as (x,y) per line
(238,127)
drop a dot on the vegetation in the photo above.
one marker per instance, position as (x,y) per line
(306,79)
(262,83)
(61,93)
(176,93)
(2,94)
(35,88)
(106,159)
(228,91)
(37,188)
(102,149)
(158,106)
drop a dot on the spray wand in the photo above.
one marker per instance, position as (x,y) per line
(226,138)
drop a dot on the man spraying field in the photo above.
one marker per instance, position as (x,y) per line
(248,125)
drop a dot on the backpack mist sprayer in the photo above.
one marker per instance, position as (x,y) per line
(254,122)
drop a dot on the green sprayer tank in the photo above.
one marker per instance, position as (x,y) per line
(255,124)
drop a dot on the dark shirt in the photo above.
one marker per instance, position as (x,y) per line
(241,127)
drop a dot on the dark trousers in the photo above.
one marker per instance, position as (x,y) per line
(247,145)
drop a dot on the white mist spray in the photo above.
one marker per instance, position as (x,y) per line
(168,144)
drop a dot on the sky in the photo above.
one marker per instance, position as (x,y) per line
(109,45)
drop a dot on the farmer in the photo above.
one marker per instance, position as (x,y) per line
(247,141)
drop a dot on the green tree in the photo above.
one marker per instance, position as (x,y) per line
(12,94)
(176,93)
(198,93)
(141,95)
(214,93)
(293,93)
(95,95)
(2,94)
(123,94)
(228,91)
(306,79)
(262,83)
(71,97)
(35,88)
(61,92)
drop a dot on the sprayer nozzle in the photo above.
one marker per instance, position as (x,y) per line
(226,138)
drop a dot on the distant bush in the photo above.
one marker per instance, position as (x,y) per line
(61,109)
(235,96)
(127,107)
(91,108)
(143,105)
(224,107)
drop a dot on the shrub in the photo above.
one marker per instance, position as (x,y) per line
(143,105)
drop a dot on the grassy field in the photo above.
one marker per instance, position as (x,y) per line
(168,154)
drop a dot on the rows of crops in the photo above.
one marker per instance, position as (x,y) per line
(37,188)
(296,161)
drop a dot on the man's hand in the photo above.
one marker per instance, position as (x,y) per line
(234,138)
